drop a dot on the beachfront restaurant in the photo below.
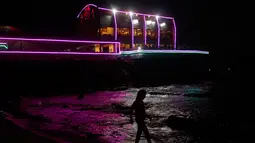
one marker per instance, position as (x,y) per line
(134,30)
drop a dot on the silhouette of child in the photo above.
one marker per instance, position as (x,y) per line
(140,116)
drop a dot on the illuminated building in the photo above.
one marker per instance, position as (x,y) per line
(131,29)
(103,31)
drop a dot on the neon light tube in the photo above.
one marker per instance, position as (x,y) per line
(60,40)
(174,34)
(4,46)
(2,43)
(129,52)
(55,53)
(132,30)
(115,25)
(165,51)
(176,51)
(141,14)
(144,31)
(158,31)
(115,29)
(84,8)
(122,52)
(106,9)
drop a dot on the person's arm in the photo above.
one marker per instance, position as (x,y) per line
(147,116)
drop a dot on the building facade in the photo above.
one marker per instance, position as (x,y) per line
(133,30)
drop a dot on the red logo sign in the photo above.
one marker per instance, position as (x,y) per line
(87,14)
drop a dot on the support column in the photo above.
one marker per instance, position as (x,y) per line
(132,30)
(144,31)
(115,31)
(174,34)
(158,33)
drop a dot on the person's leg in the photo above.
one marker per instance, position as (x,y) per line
(139,133)
(147,134)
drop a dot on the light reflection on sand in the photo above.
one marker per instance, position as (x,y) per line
(104,115)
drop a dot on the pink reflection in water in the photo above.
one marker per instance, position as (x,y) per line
(93,114)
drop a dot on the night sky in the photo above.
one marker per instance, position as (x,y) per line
(194,23)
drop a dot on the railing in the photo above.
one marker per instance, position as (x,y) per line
(75,47)
(57,46)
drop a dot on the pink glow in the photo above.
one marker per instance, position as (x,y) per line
(60,40)
(158,31)
(165,51)
(115,30)
(174,34)
(115,24)
(3,43)
(115,21)
(106,9)
(141,14)
(55,53)
(116,54)
(84,8)
(132,31)
(144,31)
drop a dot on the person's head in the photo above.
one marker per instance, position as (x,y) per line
(141,94)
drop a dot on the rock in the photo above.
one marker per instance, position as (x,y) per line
(180,123)
(39,103)
(66,106)
(83,109)
(80,97)
(76,128)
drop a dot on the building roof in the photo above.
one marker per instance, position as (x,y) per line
(122,11)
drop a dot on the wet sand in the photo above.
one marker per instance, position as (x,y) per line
(103,116)
(12,131)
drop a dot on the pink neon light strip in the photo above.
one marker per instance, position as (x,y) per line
(132,31)
(59,40)
(84,8)
(174,34)
(158,32)
(165,51)
(3,43)
(122,52)
(164,17)
(115,23)
(144,31)
(55,53)
(142,14)
(115,30)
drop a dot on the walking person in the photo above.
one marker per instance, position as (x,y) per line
(140,115)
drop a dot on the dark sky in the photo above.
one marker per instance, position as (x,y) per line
(56,18)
